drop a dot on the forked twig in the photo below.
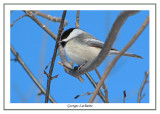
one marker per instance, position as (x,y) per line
(140,96)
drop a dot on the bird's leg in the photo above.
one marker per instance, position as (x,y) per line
(79,67)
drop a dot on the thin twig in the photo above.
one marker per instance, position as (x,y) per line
(29,73)
(88,93)
(77,19)
(107,71)
(18,19)
(49,17)
(54,56)
(104,87)
(89,66)
(95,85)
(140,96)
(124,96)
(33,17)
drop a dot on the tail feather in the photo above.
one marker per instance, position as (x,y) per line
(132,55)
(114,51)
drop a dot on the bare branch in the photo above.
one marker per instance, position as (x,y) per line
(104,87)
(95,85)
(88,93)
(49,17)
(140,96)
(54,56)
(29,73)
(18,19)
(117,57)
(33,17)
(124,96)
(105,50)
(77,19)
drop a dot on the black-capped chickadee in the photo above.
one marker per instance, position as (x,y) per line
(82,47)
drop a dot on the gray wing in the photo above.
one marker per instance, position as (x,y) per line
(92,41)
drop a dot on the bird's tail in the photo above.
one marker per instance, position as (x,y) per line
(114,51)
(132,55)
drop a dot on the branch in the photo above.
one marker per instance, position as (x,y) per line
(18,19)
(140,96)
(29,73)
(117,57)
(49,17)
(77,19)
(88,93)
(104,87)
(33,17)
(124,96)
(54,56)
(105,50)
(95,85)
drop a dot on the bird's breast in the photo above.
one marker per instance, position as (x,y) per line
(79,53)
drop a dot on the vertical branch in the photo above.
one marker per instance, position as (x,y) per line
(77,19)
(124,96)
(140,96)
(54,56)
(104,87)
(107,71)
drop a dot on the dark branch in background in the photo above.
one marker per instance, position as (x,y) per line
(54,56)
(29,73)
(33,17)
(49,17)
(105,50)
(18,19)
(107,71)
(140,96)
(95,85)
(77,19)
(124,96)
(104,87)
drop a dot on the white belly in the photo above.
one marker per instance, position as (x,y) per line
(79,54)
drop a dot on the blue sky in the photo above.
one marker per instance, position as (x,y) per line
(36,48)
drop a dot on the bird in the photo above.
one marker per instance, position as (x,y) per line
(82,47)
